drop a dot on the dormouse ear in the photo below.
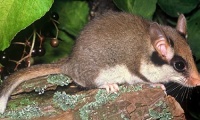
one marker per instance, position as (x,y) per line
(182,25)
(160,42)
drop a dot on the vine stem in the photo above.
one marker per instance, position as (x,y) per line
(57,30)
(30,52)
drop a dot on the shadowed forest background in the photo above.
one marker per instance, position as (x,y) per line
(45,32)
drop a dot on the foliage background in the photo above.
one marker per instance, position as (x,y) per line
(20,18)
(73,15)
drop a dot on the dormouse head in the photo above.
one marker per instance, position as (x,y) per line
(175,55)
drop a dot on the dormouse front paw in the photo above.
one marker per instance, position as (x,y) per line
(110,88)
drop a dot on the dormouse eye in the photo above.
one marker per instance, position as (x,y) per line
(179,66)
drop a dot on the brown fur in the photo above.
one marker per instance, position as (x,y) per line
(115,43)
(109,40)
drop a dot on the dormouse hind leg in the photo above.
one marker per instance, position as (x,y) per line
(110,87)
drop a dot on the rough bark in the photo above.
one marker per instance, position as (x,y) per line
(134,103)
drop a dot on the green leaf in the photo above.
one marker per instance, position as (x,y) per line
(145,8)
(175,7)
(17,15)
(73,15)
(193,33)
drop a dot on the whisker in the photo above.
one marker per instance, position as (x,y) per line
(178,91)
(174,87)
(169,85)
(186,91)
(184,94)
(189,92)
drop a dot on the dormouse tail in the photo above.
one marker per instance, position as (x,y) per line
(24,75)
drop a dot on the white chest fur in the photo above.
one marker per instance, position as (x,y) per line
(118,74)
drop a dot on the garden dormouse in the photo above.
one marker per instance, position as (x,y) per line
(117,48)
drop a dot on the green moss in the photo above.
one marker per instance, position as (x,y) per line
(65,101)
(27,106)
(161,115)
(59,79)
(130,88)
(101,98)
(26,86)
(27,112)
(40,90)
(159,103)
(19,103)
(123,116)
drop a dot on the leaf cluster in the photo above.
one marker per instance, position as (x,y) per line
(73,15)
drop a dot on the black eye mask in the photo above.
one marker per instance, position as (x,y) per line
(157,60)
